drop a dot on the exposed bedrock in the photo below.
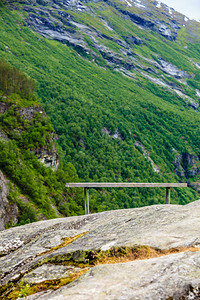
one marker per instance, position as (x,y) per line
(48,251)
(8,211)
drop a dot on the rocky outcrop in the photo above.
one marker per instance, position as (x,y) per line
(134,40)
(169,31)
(3,136)
(48,154)
(3,107)
(172,70)
(47,254)
(166,32)
(50,28)
(168,68)
(28,113)
(139,20)
(115,135)
(147,156)
(8,211)
(48,157)
(187,165)
(101,41)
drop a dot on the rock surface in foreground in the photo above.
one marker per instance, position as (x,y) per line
(174,276)
(29,251)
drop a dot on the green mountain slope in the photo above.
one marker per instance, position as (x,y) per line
(121,87)
(29,160)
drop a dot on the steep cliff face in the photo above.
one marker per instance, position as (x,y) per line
(187,165)
(53,22)
(23,128)
(8,211)
(35,188)
(48,157)
(27,118)
(28,129)
(86,26)
(48,154)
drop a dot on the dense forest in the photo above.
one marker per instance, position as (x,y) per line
(43,188)
(14,81)
(107,124)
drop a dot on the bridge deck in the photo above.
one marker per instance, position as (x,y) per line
(123,184)
(87,185)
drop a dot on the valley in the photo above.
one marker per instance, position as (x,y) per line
(119,82)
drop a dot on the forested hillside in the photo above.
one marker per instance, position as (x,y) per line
(120,84)
(29,159)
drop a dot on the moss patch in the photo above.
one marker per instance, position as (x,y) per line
(22,289)
(84,260)
(114,255)
(66,241)
(126,254)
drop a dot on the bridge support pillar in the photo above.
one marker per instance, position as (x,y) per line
(167,195)
(86,198)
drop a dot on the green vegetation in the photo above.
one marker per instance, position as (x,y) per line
(87,105)
(12,291)
(14,81)
(33,134)
(44,188)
